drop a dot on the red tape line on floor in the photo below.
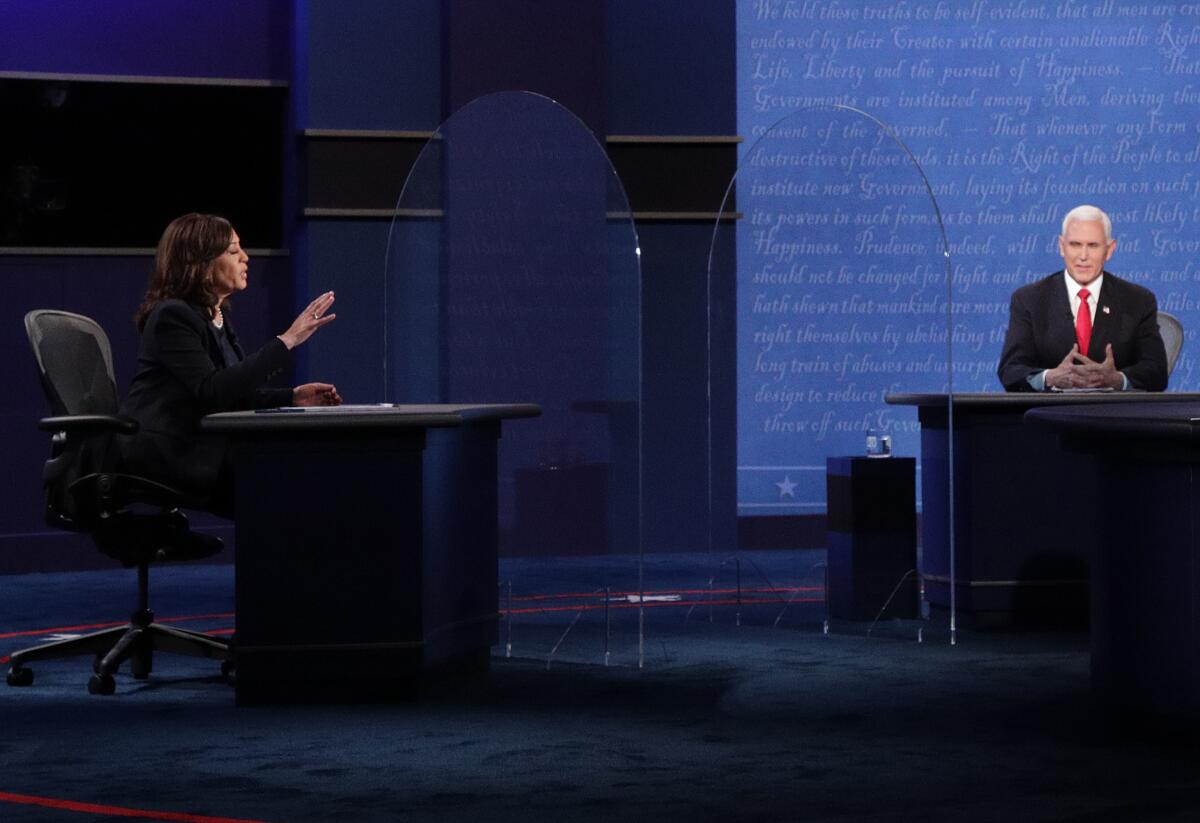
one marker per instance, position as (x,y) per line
(115,811)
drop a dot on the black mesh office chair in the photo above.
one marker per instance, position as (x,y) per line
(1171,331)
(133,520)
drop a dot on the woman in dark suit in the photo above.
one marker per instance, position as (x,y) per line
(190,362)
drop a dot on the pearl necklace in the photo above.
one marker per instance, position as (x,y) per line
(218,318)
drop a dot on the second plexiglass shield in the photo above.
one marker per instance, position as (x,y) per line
(832,242)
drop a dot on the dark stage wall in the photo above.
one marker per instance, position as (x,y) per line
(365,84)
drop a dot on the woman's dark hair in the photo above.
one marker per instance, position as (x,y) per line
(183,262)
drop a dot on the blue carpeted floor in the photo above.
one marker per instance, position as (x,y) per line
(725,722)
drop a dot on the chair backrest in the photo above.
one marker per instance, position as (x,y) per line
(75,360)
(1172,335)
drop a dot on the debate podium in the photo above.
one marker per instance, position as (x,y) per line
(1145,582)
(366,546)
(1018,557)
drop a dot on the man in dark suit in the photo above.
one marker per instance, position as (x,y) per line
(1083,327)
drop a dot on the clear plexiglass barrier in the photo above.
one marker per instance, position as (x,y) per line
(512,275)
(831,244)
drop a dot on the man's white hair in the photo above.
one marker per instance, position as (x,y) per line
(1087,214)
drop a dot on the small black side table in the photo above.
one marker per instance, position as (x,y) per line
(872,535)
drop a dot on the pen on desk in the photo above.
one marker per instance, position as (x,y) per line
(280,410)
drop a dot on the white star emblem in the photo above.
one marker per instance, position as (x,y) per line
(786,487)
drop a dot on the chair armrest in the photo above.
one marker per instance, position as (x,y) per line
(87,424)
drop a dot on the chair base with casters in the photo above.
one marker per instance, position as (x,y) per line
(137,640)
(133,519)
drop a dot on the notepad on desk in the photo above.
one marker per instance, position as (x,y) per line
(342,409)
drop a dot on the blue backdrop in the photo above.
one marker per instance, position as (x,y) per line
(1017,110)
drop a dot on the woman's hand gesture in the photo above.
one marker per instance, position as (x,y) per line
(311,319)
(316,394)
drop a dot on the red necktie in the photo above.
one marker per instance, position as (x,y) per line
(1083,323)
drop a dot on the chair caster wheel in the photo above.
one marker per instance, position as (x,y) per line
(20,676)
(102,684)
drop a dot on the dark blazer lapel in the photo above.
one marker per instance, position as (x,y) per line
(211,343)
(1104,321)
(231,335)
(214,346)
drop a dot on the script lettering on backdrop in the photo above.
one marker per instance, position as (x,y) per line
(1016,110)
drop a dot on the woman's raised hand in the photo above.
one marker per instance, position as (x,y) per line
(311,319)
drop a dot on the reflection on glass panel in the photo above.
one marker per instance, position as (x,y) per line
(513,276)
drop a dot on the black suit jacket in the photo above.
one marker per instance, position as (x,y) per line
(182,376)
(1041,331)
